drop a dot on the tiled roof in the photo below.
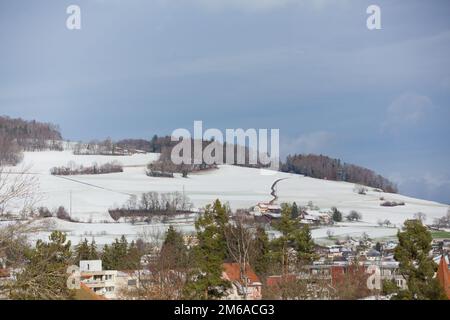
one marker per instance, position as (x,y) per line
(443,275)
(232,272)
(85,293)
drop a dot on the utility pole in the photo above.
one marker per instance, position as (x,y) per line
(70,209)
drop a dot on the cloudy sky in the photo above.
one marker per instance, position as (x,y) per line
(311,68)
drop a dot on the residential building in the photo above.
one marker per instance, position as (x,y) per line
(269,209)
(247,287)
(101,282)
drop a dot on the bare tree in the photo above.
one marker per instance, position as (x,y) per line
(359,189)
(443,222)
(354,216)
(330,233)
(162,277)
(14,237)
(422,217)
(239,238)
(18,191)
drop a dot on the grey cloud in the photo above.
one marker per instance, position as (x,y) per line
(405,111)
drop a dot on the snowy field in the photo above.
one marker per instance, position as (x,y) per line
(93,195)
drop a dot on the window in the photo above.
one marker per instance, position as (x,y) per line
(132,282)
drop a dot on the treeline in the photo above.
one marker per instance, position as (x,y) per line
(323,167)
(10,151)
(104,147)
(17,135)
(73,169)
(153,203)
(120,255)
(164,166)
(60,213)
(155,145)
(137,144)
(443,222)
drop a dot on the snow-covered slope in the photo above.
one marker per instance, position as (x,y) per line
(93,195)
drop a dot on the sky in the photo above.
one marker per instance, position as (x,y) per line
(311,68)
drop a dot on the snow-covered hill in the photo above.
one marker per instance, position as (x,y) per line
(93,195)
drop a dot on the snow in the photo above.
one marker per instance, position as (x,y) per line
(42,162)
(93,195)
(326,194)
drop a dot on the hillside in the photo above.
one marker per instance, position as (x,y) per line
(17,135)
(323,167)
(242,187)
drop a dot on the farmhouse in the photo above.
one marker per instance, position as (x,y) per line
(272,210)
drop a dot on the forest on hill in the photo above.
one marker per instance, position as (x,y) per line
(323,167)
(17,135)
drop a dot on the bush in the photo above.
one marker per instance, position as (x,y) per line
(392,204)
(359,189)
(73,169)
(62,214)
(354,216)
(159,174)
(44,212)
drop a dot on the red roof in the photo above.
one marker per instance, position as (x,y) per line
(443,274)
(85,293)
(4,273)
(232,271)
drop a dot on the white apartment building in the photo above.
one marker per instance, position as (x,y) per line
(101,282)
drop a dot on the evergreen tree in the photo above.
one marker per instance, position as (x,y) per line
(304,245)
(121,256)
(416,263)
(119,253)
(259,257)
(336,215)
(287,227)
(93,254)
(108,261)
(294,211)
(133,258)
(45,275)
(205,282)
(82,251)
(292,236)
(173,252)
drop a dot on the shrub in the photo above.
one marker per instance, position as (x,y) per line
(73,169)
(354,216)
(392,204)
(44,212)
(359,189)
(62,214)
